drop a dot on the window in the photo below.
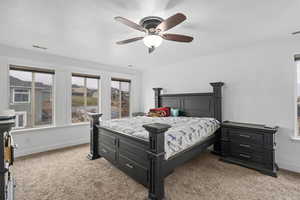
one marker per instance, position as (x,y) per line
(85,96)
(298,93)
(120,98)
(20,120)
(31,96)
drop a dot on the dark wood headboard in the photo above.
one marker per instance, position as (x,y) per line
(194,104)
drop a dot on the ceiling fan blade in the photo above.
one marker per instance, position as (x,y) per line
(177,38)
(151,49)
(130,23)
(295,33)
(171,22)
(129,40)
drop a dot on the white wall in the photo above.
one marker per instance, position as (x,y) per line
(259,87)
(63,133)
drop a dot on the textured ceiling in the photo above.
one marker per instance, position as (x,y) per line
(85,29)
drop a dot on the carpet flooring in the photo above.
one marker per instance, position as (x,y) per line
(67,175)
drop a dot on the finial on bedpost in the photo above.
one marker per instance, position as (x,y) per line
(94,121)
(157,93)
(156,156)
(217,90)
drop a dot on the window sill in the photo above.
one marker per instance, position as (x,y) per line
(80,123)
(295,138)
(17,131)
(23,131)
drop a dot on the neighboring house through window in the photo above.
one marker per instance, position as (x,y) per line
(85,96)
(21,95)
(120,98)
(31,96)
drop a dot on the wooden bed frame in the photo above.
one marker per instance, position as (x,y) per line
(144,160)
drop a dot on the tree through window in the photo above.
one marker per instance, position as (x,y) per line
(85,96)
(120,98)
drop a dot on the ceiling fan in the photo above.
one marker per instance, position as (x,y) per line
(154,29)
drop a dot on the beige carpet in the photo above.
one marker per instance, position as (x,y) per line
(67,175)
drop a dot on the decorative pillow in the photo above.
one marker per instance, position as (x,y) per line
(165,109)
(157,113)
(174,112)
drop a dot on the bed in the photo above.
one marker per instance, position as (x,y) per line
(142,146)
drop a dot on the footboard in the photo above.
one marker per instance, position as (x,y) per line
(125,152)
(140,159)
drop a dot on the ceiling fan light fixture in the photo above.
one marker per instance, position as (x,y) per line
(152,40)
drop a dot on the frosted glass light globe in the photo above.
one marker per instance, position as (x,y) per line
(152,40)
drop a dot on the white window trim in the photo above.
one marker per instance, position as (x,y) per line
(85,97)
(296,135)
(30,101)
(19,102)
(18,113)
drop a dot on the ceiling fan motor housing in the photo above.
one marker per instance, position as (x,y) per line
(151,22)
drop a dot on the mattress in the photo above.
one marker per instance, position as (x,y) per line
(184,132)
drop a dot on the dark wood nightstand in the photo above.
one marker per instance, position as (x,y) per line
(249,145)
(136,114)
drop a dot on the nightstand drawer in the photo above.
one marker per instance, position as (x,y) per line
(246,137)
(248,156)
(246,147)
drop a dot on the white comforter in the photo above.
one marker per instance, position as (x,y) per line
(184,131)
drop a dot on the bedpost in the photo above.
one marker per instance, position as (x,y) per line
(157,93)
(156,156)
(217,91)
(94,121)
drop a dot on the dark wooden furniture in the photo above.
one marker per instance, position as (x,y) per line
(144,160)
(136,114)
(6,192)
(249,145)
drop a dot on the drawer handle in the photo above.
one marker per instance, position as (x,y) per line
(245,136)
(245,145)
(245,156)
(104,150)
(129,166)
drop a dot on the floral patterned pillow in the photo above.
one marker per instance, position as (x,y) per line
(157,113)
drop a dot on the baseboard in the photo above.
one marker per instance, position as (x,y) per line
(289,167)
(24,152)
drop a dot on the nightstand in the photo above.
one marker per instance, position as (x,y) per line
(136,114)
(249,145)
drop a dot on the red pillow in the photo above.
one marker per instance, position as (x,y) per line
(166,109)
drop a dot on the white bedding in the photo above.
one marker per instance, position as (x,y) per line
(184,131)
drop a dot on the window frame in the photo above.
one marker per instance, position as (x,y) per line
(297,127)
(120,80)
(31,92)
(21,102)
(18,113)
(85,104)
